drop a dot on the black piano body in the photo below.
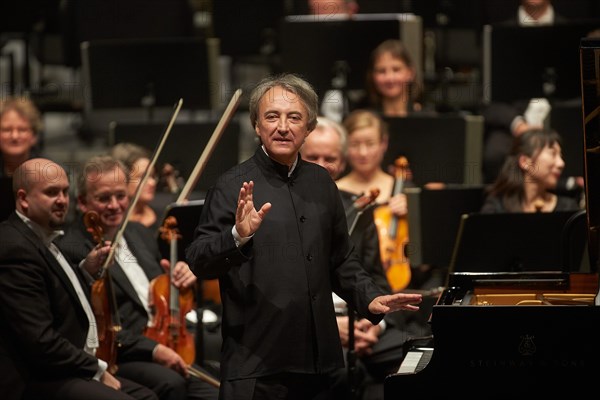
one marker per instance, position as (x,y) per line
(509,335)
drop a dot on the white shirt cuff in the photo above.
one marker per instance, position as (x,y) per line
(516,122)
(239,241)
(102,366)
(383,326)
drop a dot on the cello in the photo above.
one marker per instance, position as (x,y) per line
(171,304)
(393,234)
(103,302)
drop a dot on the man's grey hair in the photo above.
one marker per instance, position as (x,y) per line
(293,84)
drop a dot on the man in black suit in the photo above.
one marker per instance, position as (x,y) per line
(278,262)
(102,188)
(48,331)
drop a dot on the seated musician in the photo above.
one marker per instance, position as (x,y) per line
(20,126)
(529,176)
(136,159)
(102,188)
(379,347)
(367,144)
(48,336)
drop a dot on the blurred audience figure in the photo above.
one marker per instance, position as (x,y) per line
(20,124)
(529,176)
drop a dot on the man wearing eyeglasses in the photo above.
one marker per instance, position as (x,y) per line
(102,187)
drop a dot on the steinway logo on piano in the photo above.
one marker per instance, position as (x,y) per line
(526,350)
(527,346)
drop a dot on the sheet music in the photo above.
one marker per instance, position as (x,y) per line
(410,362)
(415,360)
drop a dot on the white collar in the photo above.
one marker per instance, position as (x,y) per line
(46,236)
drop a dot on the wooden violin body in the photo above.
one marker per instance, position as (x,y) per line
(393,235)
(107,330)
(103,303)
(171,305)
(393,238)
(169,328)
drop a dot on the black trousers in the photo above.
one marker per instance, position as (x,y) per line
(166,383)
(284,386)
(78,389)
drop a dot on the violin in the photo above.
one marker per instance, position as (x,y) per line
(171,304)
(393,234)
(103,302)
(359,206)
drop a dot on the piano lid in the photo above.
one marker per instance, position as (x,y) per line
(590,94)
(501,335)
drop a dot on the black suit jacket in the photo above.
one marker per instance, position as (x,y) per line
(366,242)
(43,326)
(77,243)
(278,314)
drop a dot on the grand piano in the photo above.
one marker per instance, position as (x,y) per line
(519,334)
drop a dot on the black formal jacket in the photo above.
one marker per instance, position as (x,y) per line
(43,327)
(278,313)
(366,241)
(77,243)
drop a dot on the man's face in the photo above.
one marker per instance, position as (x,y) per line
(107,195)
(281,124)
(323,147)
(46,200)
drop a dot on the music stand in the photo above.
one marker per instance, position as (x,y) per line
(518,66)
(434,218)
(184,146)
(510,242)
(188,216)
(344,46)
(258,20)
(148,73)
(440,148)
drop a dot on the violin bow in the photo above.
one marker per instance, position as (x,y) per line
(210,146)
(205,377)
(138,191)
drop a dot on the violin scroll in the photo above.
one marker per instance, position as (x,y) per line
(366,199)
(169,231)
(91,220)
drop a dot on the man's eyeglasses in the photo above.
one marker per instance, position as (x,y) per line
(107,197)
